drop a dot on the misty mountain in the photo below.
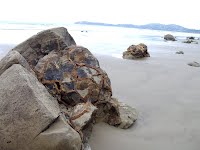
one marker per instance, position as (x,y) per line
(151,26)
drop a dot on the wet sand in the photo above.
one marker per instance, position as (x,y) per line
(166,93)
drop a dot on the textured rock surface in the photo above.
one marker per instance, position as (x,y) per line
(44,42)
(81,114)
(194,64)
(26,109)
(13,57)
(136,51)
(169,37)
(74,76)
(59,136)
(118,114)
(128,115)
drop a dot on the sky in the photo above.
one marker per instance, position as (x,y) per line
(184,13)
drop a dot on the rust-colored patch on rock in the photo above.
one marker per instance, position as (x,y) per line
(74,76)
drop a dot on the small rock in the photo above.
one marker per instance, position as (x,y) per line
(189,41)
(169,37)
(180,52)
(190,38)
(194,64)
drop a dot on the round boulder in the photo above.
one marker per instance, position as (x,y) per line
(136,51)
(169,37)
(74,76)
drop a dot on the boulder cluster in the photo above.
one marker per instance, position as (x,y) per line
(52,92)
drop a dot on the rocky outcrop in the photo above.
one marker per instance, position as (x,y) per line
(136,51)
(169,37)
(194,64)
(28,111)
(44,42)
(52,92)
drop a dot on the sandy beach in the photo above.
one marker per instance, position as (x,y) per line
(165,92)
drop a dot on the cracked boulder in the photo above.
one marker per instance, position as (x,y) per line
(136,52)
(74,76)
(28,111)
(43,43)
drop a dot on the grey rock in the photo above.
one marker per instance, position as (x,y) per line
(190,41)
(59,136)
(128,115)
(169,37)
(194,64)
(26,109)
(179,52)
(43,43)
(13,57)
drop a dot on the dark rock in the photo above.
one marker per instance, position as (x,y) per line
(179,52)
(169,37)
(136,51)
(190,38)
(190,41)
(194,64)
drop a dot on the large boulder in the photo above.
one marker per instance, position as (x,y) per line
(74,76)
(169,37)
(136,51)
(27,110)
(44,42)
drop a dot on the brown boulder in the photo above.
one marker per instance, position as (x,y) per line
(74,76)
(136,51)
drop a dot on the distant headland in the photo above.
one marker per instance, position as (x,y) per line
(151,26)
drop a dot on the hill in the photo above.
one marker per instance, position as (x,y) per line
(151,26)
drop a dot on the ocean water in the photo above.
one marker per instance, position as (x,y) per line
(102,40)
